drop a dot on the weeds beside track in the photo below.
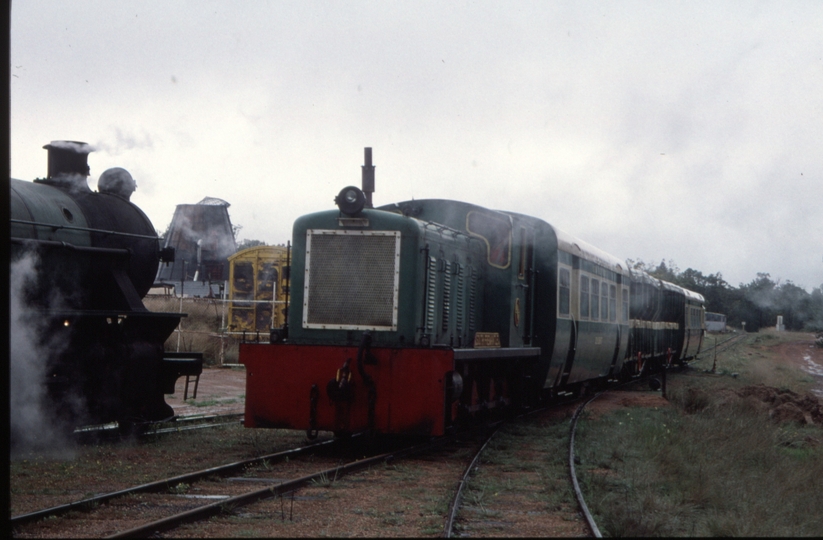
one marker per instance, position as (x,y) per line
(715,460)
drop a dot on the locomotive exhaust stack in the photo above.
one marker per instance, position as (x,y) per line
(367,183)
(68,164)
(68,157)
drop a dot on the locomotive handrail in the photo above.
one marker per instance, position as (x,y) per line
(125,313)
(507,352)
(243,301)
(440,228)
(85,249)
(87,229)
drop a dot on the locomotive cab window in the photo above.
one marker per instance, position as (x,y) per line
(496,232)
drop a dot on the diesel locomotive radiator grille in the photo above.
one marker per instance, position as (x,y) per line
(352,280)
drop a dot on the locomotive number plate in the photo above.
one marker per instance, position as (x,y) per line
(486,340)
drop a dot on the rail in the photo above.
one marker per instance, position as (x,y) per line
(160,485)
(455,504)
(272,490)
(577,493)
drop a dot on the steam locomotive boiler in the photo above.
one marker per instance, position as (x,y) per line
(412,317)
(93,257)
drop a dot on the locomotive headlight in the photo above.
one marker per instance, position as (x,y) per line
(350,200)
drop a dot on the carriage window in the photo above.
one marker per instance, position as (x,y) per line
(496,231)
(584,296)
(565,291)
(595,299)
(604,301)
(612,303)
(625,304)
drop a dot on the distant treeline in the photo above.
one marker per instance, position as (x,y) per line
(757,303)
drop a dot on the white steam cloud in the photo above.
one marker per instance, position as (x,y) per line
(123,142)
(33,423)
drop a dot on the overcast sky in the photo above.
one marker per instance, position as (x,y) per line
(684,131)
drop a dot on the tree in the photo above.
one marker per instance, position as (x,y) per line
(757,303)
(247,243)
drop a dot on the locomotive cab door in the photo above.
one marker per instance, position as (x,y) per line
(525,289)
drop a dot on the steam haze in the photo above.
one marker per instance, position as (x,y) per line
(32,422)
(652,130)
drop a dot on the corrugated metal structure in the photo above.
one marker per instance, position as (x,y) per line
(202,237)
(257,287)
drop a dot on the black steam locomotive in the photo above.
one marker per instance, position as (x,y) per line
(92,257)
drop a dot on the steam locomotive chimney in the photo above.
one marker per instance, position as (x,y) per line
(368,178)
(68,165)
(68,158)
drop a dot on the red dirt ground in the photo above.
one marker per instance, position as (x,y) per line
(220,391)
(806,356)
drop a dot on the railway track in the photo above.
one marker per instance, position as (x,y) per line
(717,348)
(163,484)
(278,476)
(572,460)
(180,424)
(578,494)
(448,528)
(507,520)
(527,509)
(273,489)
(166,504)
(224,491)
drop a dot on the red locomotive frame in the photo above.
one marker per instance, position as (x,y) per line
(408,385)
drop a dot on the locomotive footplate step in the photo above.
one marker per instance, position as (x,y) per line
(178,364)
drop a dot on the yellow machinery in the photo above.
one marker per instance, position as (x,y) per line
(256,289)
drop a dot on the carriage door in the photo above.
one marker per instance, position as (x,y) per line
(526,280)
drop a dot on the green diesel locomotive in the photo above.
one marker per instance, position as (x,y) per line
(410,317)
